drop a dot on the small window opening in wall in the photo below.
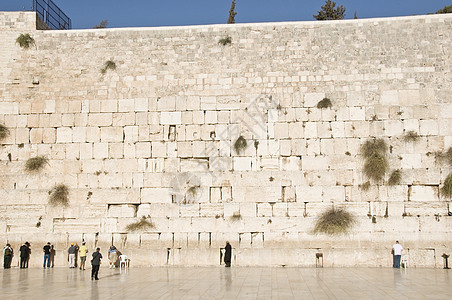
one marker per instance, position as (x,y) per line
(172,133)
(212,135)
(173,199)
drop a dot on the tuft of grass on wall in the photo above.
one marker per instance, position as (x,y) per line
(240,144)
(236,216)
(225,41)
(375,164)
(144,224)
(109,65)
(395,178)
(36,163)
(446,189)
(25,41)
(4,131)
(59,195)
(411,136)
(448,156)
(365,186)
(334,222)
(324,103)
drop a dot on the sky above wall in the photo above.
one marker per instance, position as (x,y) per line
(150,13)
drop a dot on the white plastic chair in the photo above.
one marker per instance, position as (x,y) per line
(404,261)
(123,260)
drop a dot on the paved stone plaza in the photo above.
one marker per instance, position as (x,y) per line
(233,283)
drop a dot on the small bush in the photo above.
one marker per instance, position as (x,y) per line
(324,103)
(411,136)
(59,195)
(365,186)
(376,164)
(236,216)
(445,10)
(395,178)
(143,225)
(109,65)
(448,156)
(4,131)
(25,40)
(446,190)
(102,24)
(334,221)
(225,41)
(240,144)
(35,163)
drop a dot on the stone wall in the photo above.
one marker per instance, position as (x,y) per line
(156,137)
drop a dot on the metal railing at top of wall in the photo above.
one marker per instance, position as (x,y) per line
(51,14)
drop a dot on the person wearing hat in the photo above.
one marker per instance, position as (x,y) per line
(71,255)
(83,250)
(46,250)
(24,255)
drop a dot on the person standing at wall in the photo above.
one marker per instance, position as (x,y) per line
(112,256)
(83,250)
(52,256)
(71,255)
(95,262)
(397,250)
(227,254)
(8,254)
(24,255)
(46,250)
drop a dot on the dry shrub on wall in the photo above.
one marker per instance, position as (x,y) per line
(236,216)
(240,144)
(4,131)
(225,41)
(324,103)
(376,164)
(411,136)
(446,190)
(334,222)
(395,178)
(144,224)
(59,195)
(109,65)
(35,163)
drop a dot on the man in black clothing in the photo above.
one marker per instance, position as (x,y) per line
(95,262)
(46,250)
(227,254)
(24,255)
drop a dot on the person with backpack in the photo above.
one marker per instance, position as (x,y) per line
(95,262)
(8,254)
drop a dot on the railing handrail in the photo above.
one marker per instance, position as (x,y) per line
(51,14)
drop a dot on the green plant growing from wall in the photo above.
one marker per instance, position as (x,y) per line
(324,103)
(334,222)
(395,178)
(59,195)
(25,41)
(240,144)
(225,41)
(411,136)
(4,131)
(36,163)
(375,164)
(38,224)
(144,224)
(446,190)
(236,216)
(109,65)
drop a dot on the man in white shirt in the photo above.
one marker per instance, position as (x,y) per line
(397,251)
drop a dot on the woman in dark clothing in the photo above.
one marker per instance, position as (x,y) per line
(95,262)
(227,254)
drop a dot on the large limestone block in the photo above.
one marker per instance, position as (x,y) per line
(170,118)
(122,210)
(424,193)
(76,225)
(156,195)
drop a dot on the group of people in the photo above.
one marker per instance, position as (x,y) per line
(113,254)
